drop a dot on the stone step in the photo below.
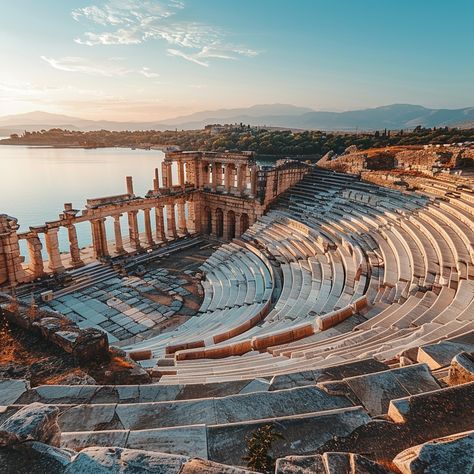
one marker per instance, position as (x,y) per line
(302,434)
(92,394)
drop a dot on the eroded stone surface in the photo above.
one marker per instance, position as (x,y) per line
(452,454)
(461,369)
(35,422)
(11,390)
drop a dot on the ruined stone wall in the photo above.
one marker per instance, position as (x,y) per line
(427,159)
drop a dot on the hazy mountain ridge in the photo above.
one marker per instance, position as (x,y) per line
(394,116)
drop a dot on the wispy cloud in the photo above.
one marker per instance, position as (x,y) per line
(128,22)
(107,68)
(188,57)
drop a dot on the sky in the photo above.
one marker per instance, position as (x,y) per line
(156,59)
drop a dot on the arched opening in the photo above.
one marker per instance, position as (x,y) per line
(231,225)
(207,226)
(219,223)
(244,222)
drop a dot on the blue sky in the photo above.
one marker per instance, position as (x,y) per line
(154,59)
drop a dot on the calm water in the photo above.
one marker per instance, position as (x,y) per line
(36,182)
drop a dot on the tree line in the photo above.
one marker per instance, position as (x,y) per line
(239,138)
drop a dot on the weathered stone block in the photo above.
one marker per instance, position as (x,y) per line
(35,422)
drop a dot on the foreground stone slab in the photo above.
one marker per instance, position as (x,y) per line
(35,422)
(336,372)
(440,354)
(452,454)
(11,390)
(209,411)
(302,434)
(461,369)
(329,463)
(376,390)
(186,440)
(457,403)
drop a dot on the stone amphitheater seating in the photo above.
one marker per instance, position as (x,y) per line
(334,318)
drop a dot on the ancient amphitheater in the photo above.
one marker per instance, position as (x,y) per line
(338,311)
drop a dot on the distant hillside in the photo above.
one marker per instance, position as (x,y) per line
(393,117)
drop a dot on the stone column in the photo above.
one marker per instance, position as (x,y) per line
(75,253)
(181,177)
(253,180)
(156,181)
(133,230)
(148,233)
(169,173)
(228,175)
(160,224)
(36,265)
(241,178)
(205,175)
(129,185)
(197,174)
(182,218)
(11,269)
(171,221)
(215,174)
(103,237)
(164,174)
(119,250)
(52,247)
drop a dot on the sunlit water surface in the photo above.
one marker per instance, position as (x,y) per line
(35,182)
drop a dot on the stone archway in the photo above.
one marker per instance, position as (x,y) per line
(244,222)
(219,223)
(230,225)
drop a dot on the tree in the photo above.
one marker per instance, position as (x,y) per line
(258,447)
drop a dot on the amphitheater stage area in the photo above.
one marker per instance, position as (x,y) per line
(341,320)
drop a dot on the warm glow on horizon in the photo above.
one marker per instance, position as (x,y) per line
(134,60)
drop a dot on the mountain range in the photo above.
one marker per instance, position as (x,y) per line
(396,116)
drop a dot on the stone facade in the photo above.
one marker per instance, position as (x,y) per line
(218,194)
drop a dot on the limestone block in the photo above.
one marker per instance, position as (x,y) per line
(440,355)
(452,454)
(453,403)
(11,390)
(461,369)
(91,345)
(35,422)
(302,434)
(201,466)
(186,440)
(124,461)
(88,418)
(300,465)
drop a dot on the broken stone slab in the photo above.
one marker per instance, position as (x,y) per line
(440,354)
(91,345)
(302,434)
(202,466)
(451,454)
(461,369)
(375,391)
(119,460)
(209,411)
(329,463)
(300,465)
(455,404)
(116,460)
(11,390)
(21,461)
(335,372)
(35,422)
